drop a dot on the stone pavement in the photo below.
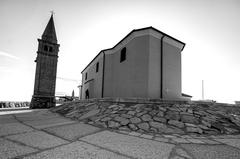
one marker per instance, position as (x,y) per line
(43,134)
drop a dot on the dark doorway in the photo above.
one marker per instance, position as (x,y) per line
(87,94)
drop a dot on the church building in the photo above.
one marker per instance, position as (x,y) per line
(144,64)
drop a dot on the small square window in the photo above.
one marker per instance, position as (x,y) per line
(123,54)
(86,76)
(97,66)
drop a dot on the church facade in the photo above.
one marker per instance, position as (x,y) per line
(144,64)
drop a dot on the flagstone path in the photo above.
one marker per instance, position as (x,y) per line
(41,134)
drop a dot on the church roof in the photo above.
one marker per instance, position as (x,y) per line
(49,33)
(131,33)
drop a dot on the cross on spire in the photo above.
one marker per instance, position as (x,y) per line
(52,12)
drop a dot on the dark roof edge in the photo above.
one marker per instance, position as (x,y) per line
(129,35)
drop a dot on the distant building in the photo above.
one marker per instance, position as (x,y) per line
(46,68)
(144,64)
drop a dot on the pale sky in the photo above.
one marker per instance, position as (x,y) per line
(210,29)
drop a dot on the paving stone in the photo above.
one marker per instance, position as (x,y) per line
(210,141)
(186,136)
(162,120)
(10,149)
(133,133)
(40,124)
(38,139)
(167,130)
(155,130)
(212,151)
(101,124)
(123,132)
(72,131)
(177,130)
(144,126)
(231,142)
(135,120)
(89,114)
(161,139)
(7,119)
(189,119)
(206,123)
(132,127)
(106,119)
(113,124)
(231,130)
(141,113)
(158,125)
(126,116)
(146,136)
(123,121)
(131,112)
(176,123)
(161,114)
(146,117)
(13,128)
(113,106)
(162,108)
(125,128)
(174,115)
(194,130)
(177,157)
(170,136)
(203,127)
(196,141)
(180,140)
(182,153)
(130,145)
(76,150)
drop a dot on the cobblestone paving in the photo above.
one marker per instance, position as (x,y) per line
(62,138)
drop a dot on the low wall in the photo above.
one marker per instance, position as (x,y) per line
(13,104)
(156,117)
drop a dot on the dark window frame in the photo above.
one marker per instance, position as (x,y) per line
(50,49)
(123,55)
(86,76)
(45,48)
(97,67)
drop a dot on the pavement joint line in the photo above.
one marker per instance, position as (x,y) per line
(24,123)
(17,133)
(22,144)
(190,154)
(152,139)
(222,143)
(55,126)
(34,127)
(104,148)
(42,150)
(41,130)
(55,135)
(92,133)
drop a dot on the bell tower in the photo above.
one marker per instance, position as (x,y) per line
(46,68)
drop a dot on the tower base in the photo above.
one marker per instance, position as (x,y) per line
(42,102)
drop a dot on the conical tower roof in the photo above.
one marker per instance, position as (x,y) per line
(49,33)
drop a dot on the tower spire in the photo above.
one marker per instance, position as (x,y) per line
(49,33)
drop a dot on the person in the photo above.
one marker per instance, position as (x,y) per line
(87,94)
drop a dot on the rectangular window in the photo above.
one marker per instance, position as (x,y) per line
(86,76)
(97,66)
(123,55)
